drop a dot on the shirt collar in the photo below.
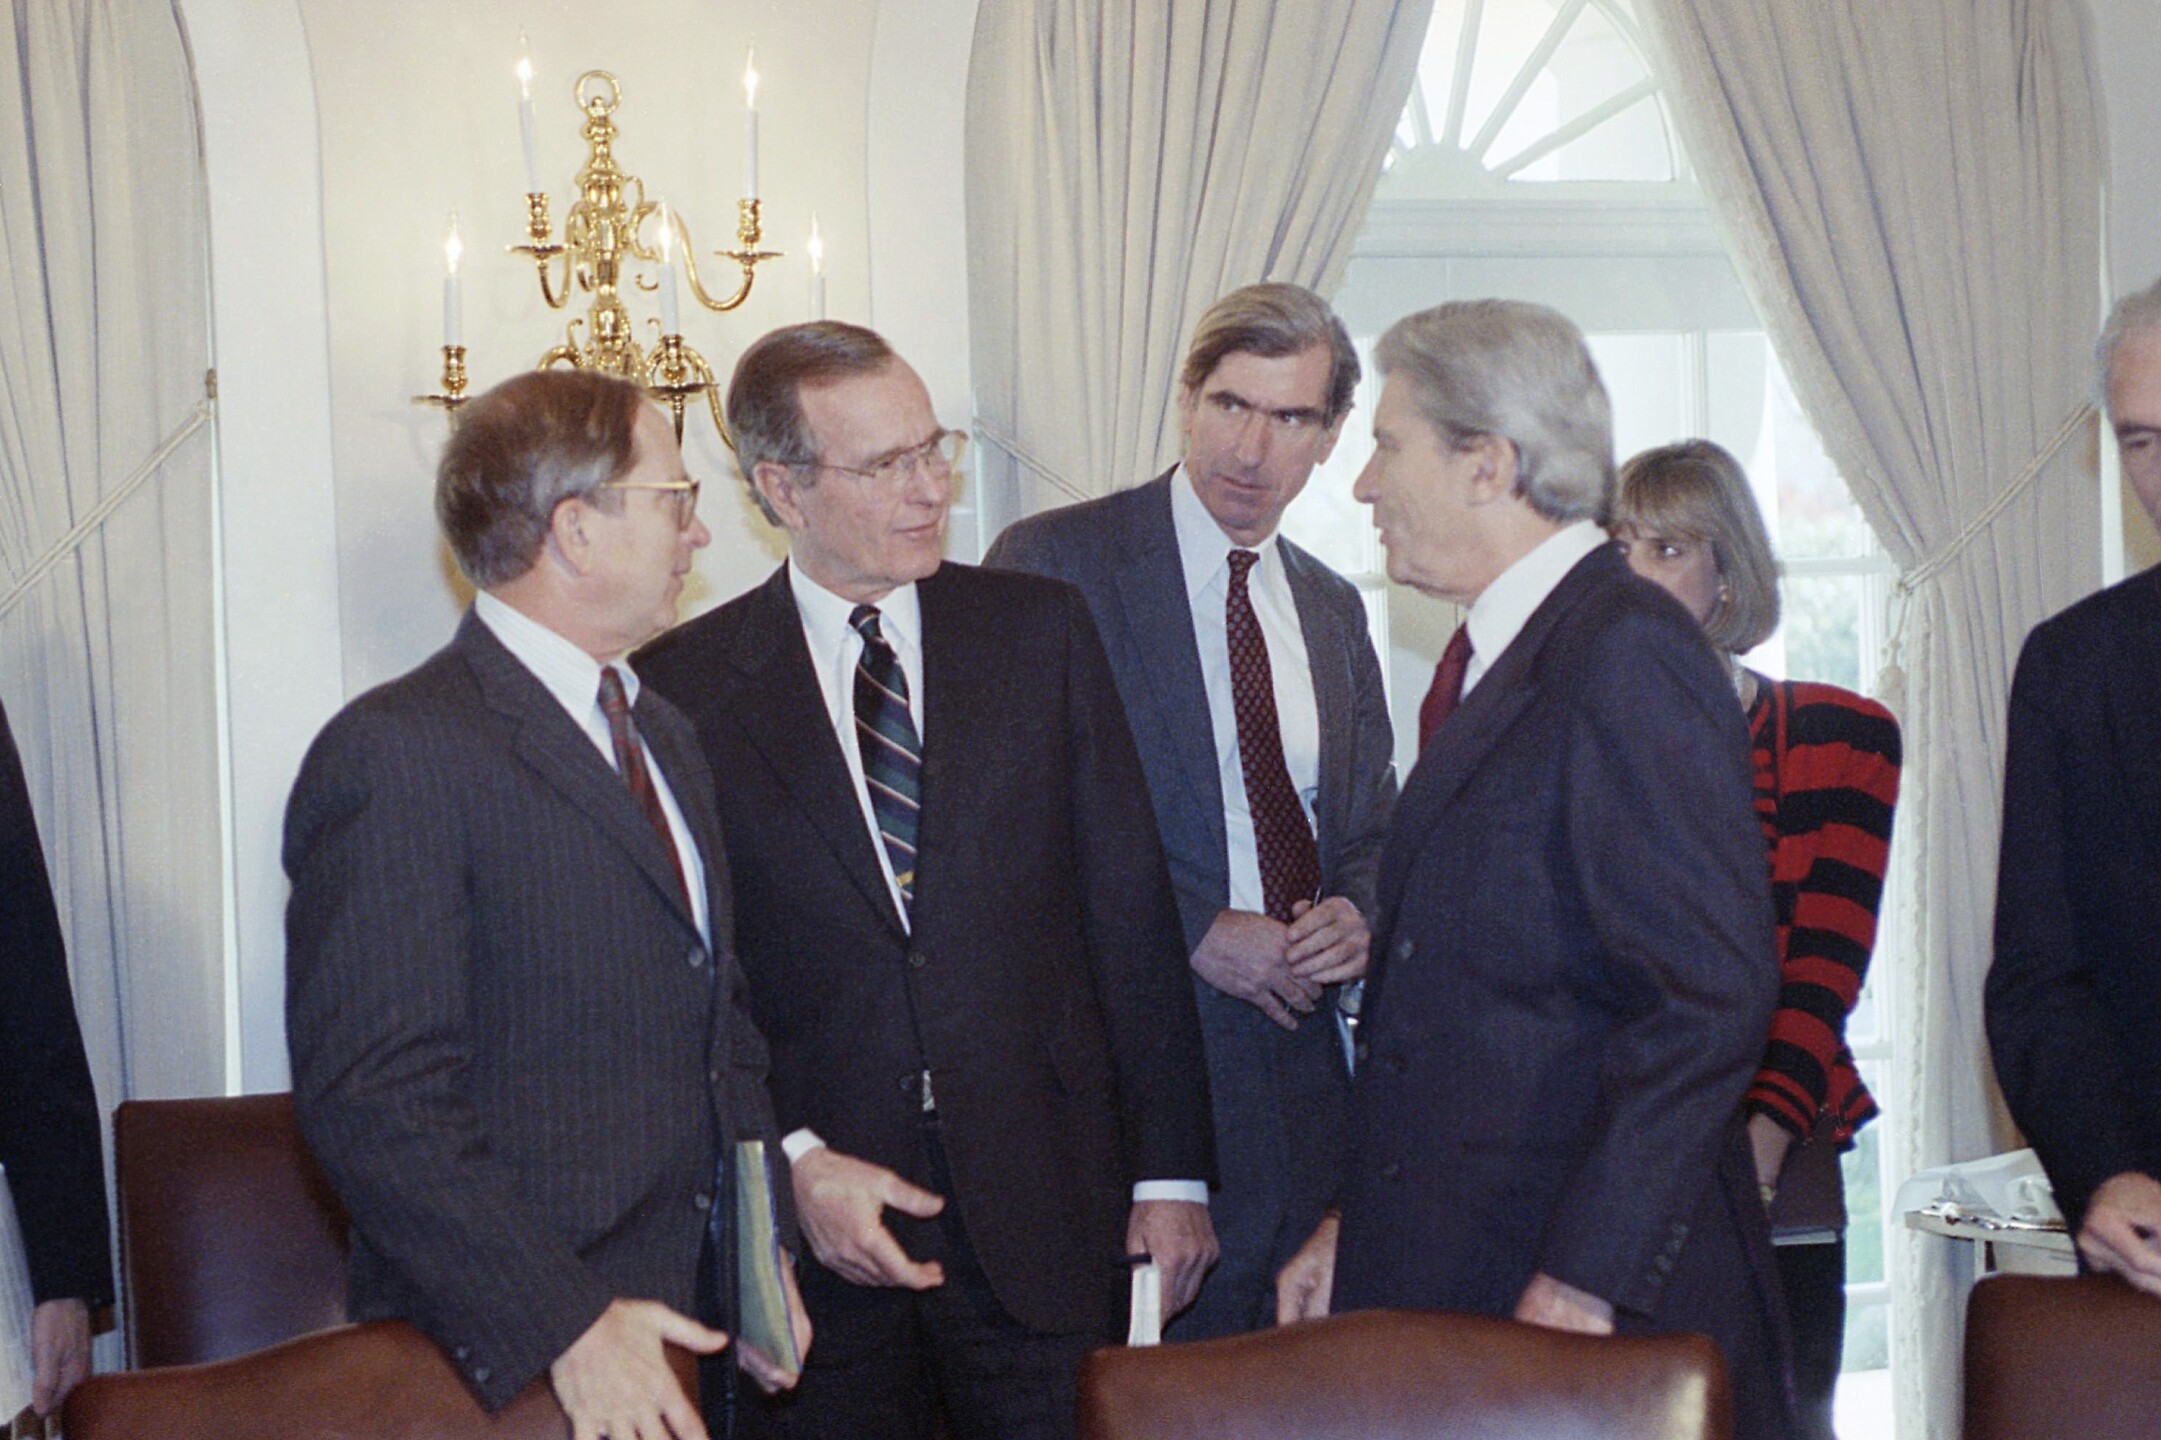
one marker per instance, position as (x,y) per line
(825,615)
(1500,612)
(570,675)
(1203,548)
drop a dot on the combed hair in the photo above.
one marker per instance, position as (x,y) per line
(1697,491)
(520,450)
(1522,372)
(765,395)
(1272,320)
(2140,310)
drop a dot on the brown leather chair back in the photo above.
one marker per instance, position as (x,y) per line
(230,1238)
(1400,1375)
(2049,1357)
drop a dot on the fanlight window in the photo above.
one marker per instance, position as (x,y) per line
(1530,90)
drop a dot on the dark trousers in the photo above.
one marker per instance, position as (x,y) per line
(1814,1278)
(891,1364)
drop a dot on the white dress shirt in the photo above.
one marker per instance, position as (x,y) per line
(835,648)
(1204,550)
(573,678)
(1504,607)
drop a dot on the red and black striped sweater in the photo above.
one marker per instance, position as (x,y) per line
(1826,763)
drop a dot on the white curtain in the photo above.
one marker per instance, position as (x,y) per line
(1128,163)
(106,641)
(1911,191)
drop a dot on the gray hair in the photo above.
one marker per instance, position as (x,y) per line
(1521,372)
(1270,320)
(522,449)
(765,395)
(2136,312)
(1695,490)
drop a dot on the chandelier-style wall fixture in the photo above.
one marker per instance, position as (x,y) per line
(611,223)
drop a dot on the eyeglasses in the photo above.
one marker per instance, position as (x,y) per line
(684,491)
(939,455)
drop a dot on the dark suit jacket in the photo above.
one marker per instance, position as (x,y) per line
(1574,972)
(1280,1096)
(1043,984)
(2074,993)
(513,1055)
(48,1110)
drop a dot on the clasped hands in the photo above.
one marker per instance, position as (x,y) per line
(1282,968)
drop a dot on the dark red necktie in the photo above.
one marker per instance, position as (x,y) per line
(1446,692)
(1290,861)
(630,760)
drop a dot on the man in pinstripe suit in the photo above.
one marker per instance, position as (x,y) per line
(519,1042)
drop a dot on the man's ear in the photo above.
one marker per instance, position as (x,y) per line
(567,536)
(1494,475)
(777,483)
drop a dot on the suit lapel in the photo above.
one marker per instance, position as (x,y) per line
(1152,591)
(674,750)
(548,741)
(1476,728)
(774,696)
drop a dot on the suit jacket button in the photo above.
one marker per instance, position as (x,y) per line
(480,1376)
(703,1200)
(1404,949)
(917,959)
(713,1075)
(907,1083)
(1391,1171)
(696,957)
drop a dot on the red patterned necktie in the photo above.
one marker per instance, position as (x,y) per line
(1290,862)
(630,760)
(1447,689)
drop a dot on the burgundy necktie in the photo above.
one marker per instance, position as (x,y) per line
(1447,689)
(1290,862)
(630,760)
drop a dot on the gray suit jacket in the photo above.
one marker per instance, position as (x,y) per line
(512,1053)
(1279,1097)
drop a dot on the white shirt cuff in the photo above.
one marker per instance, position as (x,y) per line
(799,1143)
(1193,1192)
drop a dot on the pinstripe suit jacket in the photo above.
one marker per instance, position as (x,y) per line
(511,1051)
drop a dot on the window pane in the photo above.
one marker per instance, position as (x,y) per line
(1819,631)
(1649,380)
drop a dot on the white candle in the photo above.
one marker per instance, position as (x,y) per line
(453,301)
(525,121)
(750,125)
(671,320)
(816,248)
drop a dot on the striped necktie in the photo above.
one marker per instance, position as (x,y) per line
(892,756)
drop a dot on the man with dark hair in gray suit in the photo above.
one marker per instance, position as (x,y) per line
(1256,702)
(520,1047)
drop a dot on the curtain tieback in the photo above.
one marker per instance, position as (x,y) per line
(1891,684)
(69,543)
(991,434)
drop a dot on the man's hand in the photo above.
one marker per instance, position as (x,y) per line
(614,1381)
(842,1203)
(1546,1301)
(2122,1230)
(1768,1141)
(59,1351)
(1328,942)
(1303,1287)
(760,1366)
(1247,956)
(1181,1239)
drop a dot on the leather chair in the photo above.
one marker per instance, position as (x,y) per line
(2049,1357)
(231,1241)
(1402,1375)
